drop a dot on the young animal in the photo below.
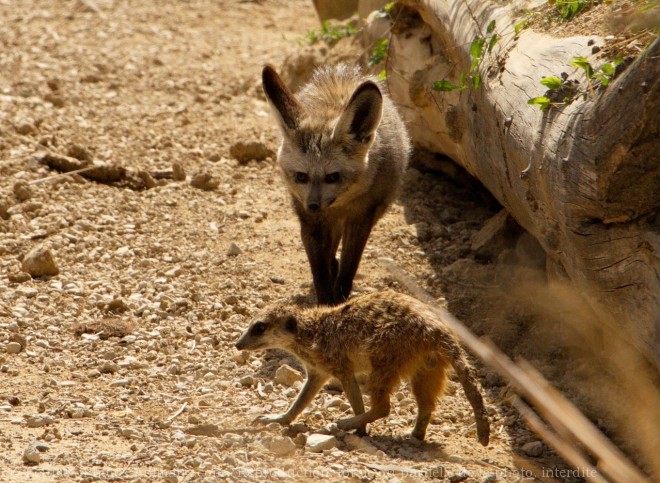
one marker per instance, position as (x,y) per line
(386,334)
(343,153)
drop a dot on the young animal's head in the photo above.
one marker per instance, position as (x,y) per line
(276,329)
(325,146)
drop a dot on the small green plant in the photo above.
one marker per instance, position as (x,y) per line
(568,9)
(605,73)
(479,47)
(387,10)
(330,33)
(379,53)
(517,28)
(382,46)
(565,91)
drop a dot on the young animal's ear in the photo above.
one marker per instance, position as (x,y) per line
(361,116)
(291,324)
(285,106)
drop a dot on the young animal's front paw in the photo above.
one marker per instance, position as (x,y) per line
(283,419)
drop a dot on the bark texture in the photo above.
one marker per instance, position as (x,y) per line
(583,178)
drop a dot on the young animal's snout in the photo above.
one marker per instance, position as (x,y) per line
(319,193)
(314,198)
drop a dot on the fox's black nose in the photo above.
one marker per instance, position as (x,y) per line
(313,206)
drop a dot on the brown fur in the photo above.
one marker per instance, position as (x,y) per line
(388,335)
(343,153)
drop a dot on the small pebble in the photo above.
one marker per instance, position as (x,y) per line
(247,381)
(204,181)
(38,420)
(19,277)
(281,446)
(22,191)
(248,151)
(234,250)
(26,129)
(533,449)
(31,455)
(39,262)
(316,443)
(287,375)
(178,173)
(13,348)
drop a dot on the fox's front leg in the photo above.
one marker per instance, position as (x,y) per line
(356,233)
(317,238)
(312,386)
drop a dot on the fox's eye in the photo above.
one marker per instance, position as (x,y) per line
(258,329)
(332,178)
(301,177)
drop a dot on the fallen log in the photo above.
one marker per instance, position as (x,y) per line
(582,177)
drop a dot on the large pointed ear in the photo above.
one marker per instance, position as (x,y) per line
(362,115)
(285,106)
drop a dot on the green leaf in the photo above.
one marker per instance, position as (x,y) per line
(461,79)
(476,50)
(386,11)
(379,53)
(491,27)
(382,75)
(493,41)
(617,61)
(519,26)
(552,82)
(542,102)
(476,81)
(608,69)
(389,7)
(582,63)
(445,85)
(604,80)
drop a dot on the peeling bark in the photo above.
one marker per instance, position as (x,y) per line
(583,178)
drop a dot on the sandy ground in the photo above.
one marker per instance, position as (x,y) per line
(126,369)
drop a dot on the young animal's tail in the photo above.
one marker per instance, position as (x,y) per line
(468,380)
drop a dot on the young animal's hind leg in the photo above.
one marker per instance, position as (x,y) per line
(427,383)
(380,388)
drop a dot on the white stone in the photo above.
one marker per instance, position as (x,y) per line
(13,348)
(31,455)
(316,443)
(281,446)
(287,375)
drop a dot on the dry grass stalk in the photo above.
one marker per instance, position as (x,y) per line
(562,415)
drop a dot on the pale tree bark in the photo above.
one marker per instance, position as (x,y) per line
(583,178)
